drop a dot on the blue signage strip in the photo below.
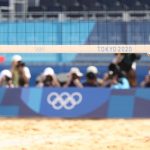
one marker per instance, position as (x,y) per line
(75,103)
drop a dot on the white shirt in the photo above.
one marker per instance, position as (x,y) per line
(27,72)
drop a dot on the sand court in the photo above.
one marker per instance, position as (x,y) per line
(58,134)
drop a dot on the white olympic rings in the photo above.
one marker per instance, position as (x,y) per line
(64,100)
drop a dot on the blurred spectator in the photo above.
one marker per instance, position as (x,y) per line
(47,79)
(127,63)
(39,81)
(118,82)
(6,79)
(146,82)
(92,79)
(62,78)
(115,78)
(20,72)
(74,77)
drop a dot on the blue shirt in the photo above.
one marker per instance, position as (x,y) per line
(123,84)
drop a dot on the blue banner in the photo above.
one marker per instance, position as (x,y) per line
(76,32)
(75,103)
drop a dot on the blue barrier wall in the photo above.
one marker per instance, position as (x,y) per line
(75,103)
(74,32)
(42,57)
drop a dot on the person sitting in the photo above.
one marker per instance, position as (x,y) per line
(127,63)
(6,79)
(146,82)
(118,82)
(116,78)
(92,79)
(20,72)
(47,79)
(74,77)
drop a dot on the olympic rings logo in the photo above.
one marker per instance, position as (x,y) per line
(64,100)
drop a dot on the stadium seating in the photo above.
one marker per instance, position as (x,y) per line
(90,5)
(52,8)
(4,3)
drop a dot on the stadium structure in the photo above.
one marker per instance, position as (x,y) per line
(70,22)
(101,9)
(74,22)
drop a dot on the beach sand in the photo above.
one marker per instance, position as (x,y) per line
(59,134)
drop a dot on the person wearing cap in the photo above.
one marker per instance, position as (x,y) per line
(6,79)
(47,79)
(146,82)
(74,77)
(92,79)
(21,73)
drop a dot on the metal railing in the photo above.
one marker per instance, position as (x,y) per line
(6,14)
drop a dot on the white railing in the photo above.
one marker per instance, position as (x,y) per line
(83,15)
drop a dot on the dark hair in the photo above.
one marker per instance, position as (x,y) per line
(113,67)
(74,76)
(7,78)
(48,80)
(20,64)
(91,76)
(116,70)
